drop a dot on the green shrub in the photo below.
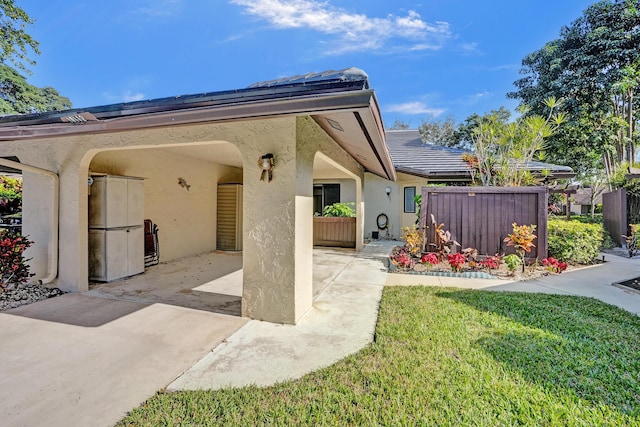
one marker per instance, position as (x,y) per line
(573,241)
(10,194)
(340,209)
(588,219)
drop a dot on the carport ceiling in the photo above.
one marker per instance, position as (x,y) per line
(222,153)
(226,154)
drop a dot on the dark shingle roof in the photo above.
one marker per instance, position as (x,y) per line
(312,84)
(412,156)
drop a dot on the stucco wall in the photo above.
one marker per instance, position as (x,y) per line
(37,220)
(377,202)
(186,219)
(408,219)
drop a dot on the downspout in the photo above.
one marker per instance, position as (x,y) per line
(52,268)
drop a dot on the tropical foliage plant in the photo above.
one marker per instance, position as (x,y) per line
(340,210)
(594,65)
(553,265)
(512,261)
(521,239)
(502,151)
(456,261)
(13,265)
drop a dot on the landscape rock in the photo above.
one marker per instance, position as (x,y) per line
(22,294)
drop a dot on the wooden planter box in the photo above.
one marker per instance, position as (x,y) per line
(334,231)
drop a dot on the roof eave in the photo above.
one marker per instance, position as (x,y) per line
(357,102)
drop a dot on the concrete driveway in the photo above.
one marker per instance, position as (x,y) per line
(87,359)
(80,360)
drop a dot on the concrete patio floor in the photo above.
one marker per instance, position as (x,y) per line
(210,282)
(86,359)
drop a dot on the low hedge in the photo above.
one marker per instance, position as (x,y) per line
(574,242)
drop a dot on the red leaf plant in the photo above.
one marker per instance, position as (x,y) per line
(553,265)
(456,261)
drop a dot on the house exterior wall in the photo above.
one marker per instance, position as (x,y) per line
(278,216)
(278,222)
(186,219)
(377,202)
(407,219)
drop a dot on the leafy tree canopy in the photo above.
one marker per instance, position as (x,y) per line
(16,95)
(15,43)
(594,66)
(449,134)
(399,125)
(19,97)
(440,132)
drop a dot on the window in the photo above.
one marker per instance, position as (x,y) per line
(409,199)
(325,195)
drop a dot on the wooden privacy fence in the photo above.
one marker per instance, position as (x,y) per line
(481,217)
(614,214)
(334,231)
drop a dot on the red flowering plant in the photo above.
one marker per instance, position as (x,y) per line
(429,259)
(491,262)
(13,266)
(456,261)
(401,257)
(553,265)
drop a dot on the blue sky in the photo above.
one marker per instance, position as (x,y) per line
(424,59)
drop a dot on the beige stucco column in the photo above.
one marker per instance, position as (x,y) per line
(74,272)
(278,219)
(37,219)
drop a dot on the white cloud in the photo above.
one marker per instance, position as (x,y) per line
(159,9)
(472,47)
(477,97)
(505,67)
(126,96)
(352,31)
(414,108)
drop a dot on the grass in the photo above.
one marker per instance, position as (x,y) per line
(448,357)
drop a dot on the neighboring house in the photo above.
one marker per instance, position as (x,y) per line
(322,128)
(418,164)
(581,201)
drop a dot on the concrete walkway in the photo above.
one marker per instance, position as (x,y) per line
(344,316)
(341,322)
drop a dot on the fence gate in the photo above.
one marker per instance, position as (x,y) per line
(614,213)
(481,217)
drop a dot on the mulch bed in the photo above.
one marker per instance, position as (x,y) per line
(631,283)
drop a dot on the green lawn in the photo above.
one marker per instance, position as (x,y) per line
(450,357)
